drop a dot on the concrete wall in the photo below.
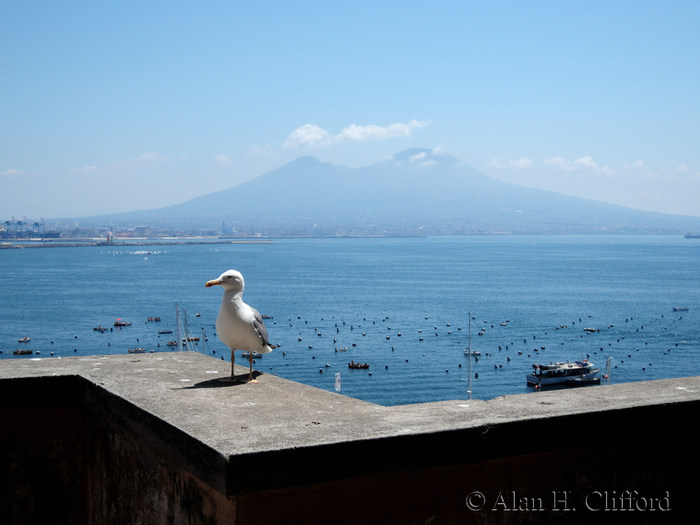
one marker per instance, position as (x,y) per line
(83,446)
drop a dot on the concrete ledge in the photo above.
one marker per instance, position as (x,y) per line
(159,434)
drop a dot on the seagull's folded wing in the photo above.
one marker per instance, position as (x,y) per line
(259,326)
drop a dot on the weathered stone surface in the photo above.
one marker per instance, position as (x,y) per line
(156,438)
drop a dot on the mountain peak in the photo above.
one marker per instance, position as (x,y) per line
(424,157)
(419,190)
(306,160)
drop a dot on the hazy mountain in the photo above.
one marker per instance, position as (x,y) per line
(416,191)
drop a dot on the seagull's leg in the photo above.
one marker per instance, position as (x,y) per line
(231,379)
(250,376)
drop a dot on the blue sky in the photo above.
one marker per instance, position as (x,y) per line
(108,107)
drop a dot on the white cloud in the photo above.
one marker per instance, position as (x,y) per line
(307,135)
(584,163)
(562,163)
(519,164)
(222,159)
(640,170)
(374,132)
(637,165)
(84,169)
(12,171)
(311,135)
(150,157)
(420,159)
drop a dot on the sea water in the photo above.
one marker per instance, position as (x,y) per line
(401,305)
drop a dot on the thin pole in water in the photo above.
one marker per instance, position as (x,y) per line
(177,322)
(469,370)
(187,330)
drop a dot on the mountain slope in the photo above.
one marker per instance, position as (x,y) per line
(415,190)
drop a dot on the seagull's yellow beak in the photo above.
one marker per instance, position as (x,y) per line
(213,282)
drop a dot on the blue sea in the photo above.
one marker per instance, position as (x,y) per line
(401,305)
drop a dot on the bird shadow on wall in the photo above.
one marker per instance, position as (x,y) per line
(217,383)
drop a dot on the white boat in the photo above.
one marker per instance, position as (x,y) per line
(579,372)
(255,355)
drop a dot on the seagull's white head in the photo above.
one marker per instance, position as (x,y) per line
(231,280)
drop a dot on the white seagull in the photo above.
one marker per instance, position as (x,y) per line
(239,326)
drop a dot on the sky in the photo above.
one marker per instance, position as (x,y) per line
(120,106)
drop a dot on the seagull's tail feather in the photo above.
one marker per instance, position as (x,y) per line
(267,349)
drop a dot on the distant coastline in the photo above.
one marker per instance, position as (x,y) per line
(145,242)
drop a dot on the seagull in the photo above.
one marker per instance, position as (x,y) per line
(239,326)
